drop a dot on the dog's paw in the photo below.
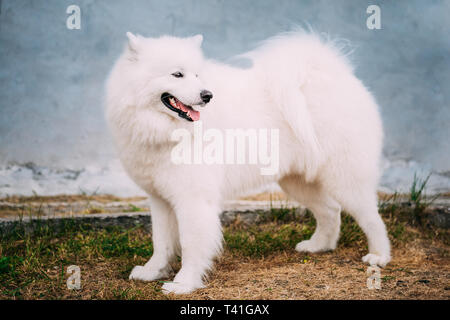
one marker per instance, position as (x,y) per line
(146,274)
(375,259)
(180,288)
(311,246)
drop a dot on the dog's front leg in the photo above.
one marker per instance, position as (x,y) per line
(165,243)
(201,240)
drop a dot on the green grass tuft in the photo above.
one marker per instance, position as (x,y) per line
(134,208)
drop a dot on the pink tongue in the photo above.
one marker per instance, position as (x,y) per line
(195,115)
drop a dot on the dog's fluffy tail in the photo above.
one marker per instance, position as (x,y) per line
(287,63)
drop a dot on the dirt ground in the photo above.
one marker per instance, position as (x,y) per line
(14,206)
(413,274)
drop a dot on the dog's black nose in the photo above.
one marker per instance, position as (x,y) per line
(206,96)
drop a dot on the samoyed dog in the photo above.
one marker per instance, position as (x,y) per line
(330,140)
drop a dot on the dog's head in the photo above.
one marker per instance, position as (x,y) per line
(168,71)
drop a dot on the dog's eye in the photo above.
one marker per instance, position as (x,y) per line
(177,74)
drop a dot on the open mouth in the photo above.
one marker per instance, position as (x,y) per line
(177,106)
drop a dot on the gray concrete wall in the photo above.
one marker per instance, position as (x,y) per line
(52,78)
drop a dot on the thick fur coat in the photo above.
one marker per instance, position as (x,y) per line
(330,140)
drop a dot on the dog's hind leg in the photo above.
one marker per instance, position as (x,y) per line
(325,209)
(200,239)
(165,243)
(363,207)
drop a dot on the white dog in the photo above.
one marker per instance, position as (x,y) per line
(330,137)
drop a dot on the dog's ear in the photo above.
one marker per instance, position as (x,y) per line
(198,39)
(133,42)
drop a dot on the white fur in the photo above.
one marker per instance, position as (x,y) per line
(330,143)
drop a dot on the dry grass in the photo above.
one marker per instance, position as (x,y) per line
(415,273)
(104,198)
(14,206)
(258,263)
(266,196)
